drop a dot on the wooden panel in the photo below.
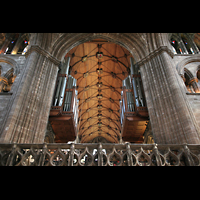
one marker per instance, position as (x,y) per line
(133,128)
(64,129)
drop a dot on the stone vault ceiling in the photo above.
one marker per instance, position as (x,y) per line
(99,67)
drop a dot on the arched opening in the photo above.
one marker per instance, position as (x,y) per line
(95,74)
(183,43)
(197,40)
(175,45)
(12,43)
(187,44)
(15,43)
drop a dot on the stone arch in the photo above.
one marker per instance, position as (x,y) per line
(132,43)
(11,62)
(181,65)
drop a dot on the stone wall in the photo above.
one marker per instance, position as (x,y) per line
(173,114)
(6,98)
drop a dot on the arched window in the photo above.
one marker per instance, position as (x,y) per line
(187,44)
(23,45)
(175,45)
(183,43)
(12,44)
(196,40)
(16,43)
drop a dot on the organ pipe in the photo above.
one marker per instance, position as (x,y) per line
(68,97)
(133,72)
(139,86)
(64,80)
(58,88)
(62,83)
(130,102)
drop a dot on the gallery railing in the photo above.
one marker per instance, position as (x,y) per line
(97,154)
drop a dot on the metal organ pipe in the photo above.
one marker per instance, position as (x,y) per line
(130,102)
(139,89)
(128,80)
(70,84)
(133,72)
(67,102)
(64,80)
(58,88)
(62,83)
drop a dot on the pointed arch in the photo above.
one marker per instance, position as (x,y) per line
(11,62)
(180,66)
(132,42)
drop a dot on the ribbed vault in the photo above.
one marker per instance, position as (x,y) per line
(99,67)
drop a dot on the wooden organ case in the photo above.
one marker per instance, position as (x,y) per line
(133,110)
(64,110)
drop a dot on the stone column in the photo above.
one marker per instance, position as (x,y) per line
(171,117)
(194,82)
(28,117)
(2,83)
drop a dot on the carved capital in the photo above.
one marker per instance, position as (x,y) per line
(154,54)
(43,52)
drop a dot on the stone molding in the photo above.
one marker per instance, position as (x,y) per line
(154,54)
(43,52)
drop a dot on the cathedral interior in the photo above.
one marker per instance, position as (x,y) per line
(102,90)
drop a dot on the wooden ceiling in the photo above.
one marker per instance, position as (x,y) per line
(99,84)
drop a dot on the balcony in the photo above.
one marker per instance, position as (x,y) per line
(99,154)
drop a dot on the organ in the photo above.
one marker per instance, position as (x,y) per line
(133,110)
(64,110)
(64,113)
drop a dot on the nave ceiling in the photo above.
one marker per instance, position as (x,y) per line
(99,67)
